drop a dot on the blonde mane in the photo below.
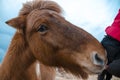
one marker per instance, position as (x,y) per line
(40,4)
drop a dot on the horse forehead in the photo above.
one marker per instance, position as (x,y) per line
(39,14)
(33,17)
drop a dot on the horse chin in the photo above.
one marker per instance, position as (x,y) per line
(93,70)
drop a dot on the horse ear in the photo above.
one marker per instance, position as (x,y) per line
(18,22)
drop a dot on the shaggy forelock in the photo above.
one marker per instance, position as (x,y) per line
(40,4)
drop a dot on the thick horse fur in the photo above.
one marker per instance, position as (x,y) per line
(43,34)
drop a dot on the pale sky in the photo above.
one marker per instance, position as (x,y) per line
(91,15)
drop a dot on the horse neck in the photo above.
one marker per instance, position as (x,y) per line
(17,59)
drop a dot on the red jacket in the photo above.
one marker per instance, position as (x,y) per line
(114,29)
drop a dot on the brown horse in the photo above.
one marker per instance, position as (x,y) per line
(44,35)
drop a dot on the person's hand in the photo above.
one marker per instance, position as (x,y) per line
(105,75)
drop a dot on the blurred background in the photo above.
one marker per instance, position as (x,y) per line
(91,15)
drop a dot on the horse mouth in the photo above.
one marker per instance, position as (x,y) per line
(98,70)
(94,70)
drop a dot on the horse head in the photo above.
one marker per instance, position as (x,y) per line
(54,41)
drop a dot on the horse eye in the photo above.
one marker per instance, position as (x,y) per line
(42,28)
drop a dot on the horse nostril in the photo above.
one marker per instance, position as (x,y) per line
(97,60)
